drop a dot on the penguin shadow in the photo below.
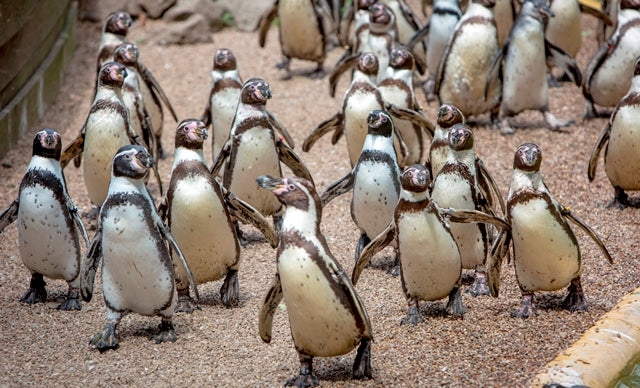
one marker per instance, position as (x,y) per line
(551,301)
(251,237)
(304,72)
(334,369)
(386,264)
(436,310)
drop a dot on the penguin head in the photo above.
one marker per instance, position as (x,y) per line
(132,161)
(380,15)
(224,60)
(401,58)
(112,74)
(380,123)
(48,144)
(292,192)
(127,54)
(255,92)
(537,9)
(528,158)
(448,116)
(118,23)
(191,133)
(368,63)
(460,137)
(486,3)
(364,4)
(416,178)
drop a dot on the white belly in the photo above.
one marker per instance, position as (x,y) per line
(47,244)
(357,108)
(320,324)
(374,197)
(299,30)
(564,30)
(200,226)
(399,97)
(441,29)
(429,256)
(622,159)
(223,110)
(546,258)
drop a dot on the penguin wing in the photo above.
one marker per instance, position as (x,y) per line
(412,116)
(469,216)
(595,154)
(422,33)
(269,305)
(291,160)
(337,188)
(592,67)
(346,62)
(566,212)
(281,129)
(206,115)
(222,156)
(499,250)
(90,265)
(73,150)
(10,214)
(249,215)
(163,208)
(442,63)
(376,245)
(560,58)
(265,23)
(345,23)
(73,210)
(155,88)
(166,234)
(485,176)
(332,123)
(496,66)
(584,8)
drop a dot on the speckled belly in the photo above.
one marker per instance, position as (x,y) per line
(622,159)
(299,30)
(374,198)
(358,108)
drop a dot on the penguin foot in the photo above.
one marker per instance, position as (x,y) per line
(479,286)
(621,200)
(72,302)
(527,308)
(413,317)
(575,300)
(505,128)
(230,290)
(283,64)
(106,339)
(556,124)
(318,73)
(305,378)
(362,363)
(454,305)
(590,112)
(427,88)
(36,292)
(186,304)
(394,270)
(167,333)
(240,235)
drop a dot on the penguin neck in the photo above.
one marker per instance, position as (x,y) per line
(250,109)
(359,76)
(379,143)
(440,133)
(476,9)
(404,75)
(217,75)
(466,157)
(111,39)
(304,222)
(41,163)
(108,93)
(183,154)
(523,179)
(121,184)
(625,15)
(132,78)
(412,196)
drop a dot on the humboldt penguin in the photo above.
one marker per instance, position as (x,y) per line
(621,137)
(199,211)
(446,117)
(304,31)
(382,37)
(326,315)
(546,255)
(407,24)
(223,98)
(357,12)
(466,63)
(608,74)
(49,228)
(114,33)
(137,270)
(375,180)
(527,48)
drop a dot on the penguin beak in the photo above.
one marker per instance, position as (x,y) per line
(145,159)
(48,140)
(270,183)
(264,91)
(419,178)
(201,131)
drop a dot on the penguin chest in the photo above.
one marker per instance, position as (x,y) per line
(546,254)
(137,274)
(105,134)
(358,106)
(471,54)
(223,110)
(441,28)
(375,197)
(201,227)
(254,155)
(379,45)
(322,322)
(622,159)
(429,256)
(301,34)
(525,71)
(564,29)
(454,190)
(49,242)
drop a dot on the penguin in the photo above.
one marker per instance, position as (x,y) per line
(358,14)
(620,136)
(199,213)
(466,62)
(253,150)
(303,32)
(527,48)
(223,98)
(607,76)
(446,117)
(546,254)
(114,33)
(326,316)
(382,37)
(375,180)
(137,270)
(49,228)
(407,24)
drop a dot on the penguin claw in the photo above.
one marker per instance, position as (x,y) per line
(454,305)
(527,308)
(186,304)
(34,295)
(72,302)
(575,300)
(106,339)
(167,333)
(479,286)
(413,317)
(362,363)
(302,381)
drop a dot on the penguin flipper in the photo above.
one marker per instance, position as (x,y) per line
(249,215)
(281,129)
(166,234)
(584,8)
(422,33)
(332,123)
(587,229)
(499,250)
(484,174)
(346,62)
(345,24)
(595,154)
(494,71)
(73,210)
(155,88)
(468,216)
(376,245)
(412,116)
(222,156)
(265,23)
(10,214)
(269,306)
(337,188)
(291,160)
(592,67)
(563,60)
(90,265)
(73,150)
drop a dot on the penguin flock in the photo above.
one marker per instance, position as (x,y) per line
(417,184)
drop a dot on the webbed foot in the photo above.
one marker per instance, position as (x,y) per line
(527,308)
(305,378)
(575,300)
(72,302)
(454,305)
(556,124)
(621,200)
(167,333)
(590,112)
(230,289)
(362,363)
(413,316)
(106,339)
(505,128)
(395,268)
(318,73)
(36,292)
(186,304)
(479,286)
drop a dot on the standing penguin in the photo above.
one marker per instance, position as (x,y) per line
(383,36)
(527,48)
(326,316)
(114,33)
(137,270)
(546,255)
(622,138)
(223,99)
(446,117)
(49,228)
(375,181)
(199,215)
(303,32)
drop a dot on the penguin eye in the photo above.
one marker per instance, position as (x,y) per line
(291,187)
(127,156)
